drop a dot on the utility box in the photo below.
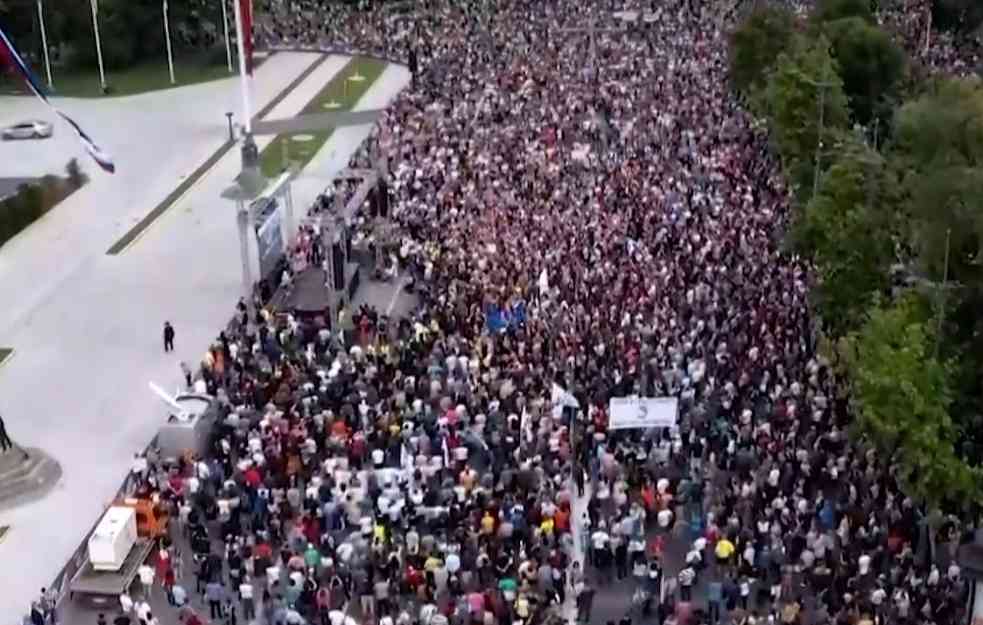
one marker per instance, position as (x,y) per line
(113,538)
(189,429)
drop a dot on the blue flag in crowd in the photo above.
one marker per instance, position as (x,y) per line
(498,320)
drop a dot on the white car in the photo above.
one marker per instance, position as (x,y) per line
(34,129)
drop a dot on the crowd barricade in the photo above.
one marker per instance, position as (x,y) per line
(78,558)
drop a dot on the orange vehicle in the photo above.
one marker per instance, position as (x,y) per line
(152,518)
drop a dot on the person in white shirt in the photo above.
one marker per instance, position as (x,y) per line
(125,603)
(664,518)
(427,612)
(248,603)
(142,609)
(863,564)
(877,597)
(336,617)
(146,574)
(272,576)
(686,579)
(599,544)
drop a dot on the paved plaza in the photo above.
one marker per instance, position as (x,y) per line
(86,327)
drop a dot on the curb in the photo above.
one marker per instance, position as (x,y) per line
(133,234)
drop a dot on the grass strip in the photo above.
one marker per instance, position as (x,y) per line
(172,197)
(344,94)
(5,353)
(144,77)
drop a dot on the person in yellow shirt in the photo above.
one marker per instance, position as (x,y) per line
(724,550)
(487,524)
(432,564)
(522,608)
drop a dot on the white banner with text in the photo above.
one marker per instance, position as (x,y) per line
(642,412)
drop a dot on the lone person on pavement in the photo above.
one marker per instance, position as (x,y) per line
(168,337)
(5,442)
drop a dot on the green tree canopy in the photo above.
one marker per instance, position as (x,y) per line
(804,94)
(870,64)
(756,44)
(939,139)
(131,30)
(848,229)
(831,10)
(902,399)
(961,16)
(939,143)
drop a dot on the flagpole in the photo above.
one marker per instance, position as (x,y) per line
(247,114)
(167,36)
(44,43)
(95,28)
(228,44)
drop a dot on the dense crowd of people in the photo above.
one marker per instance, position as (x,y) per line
(590,216)
(938,51)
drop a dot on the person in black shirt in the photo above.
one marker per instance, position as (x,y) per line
(5,442)
(168,337)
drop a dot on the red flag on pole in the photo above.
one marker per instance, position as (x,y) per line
(246,9)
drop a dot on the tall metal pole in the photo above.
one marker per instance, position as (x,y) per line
(44,43)
(247,272)
(945,286)
(928,28)
(228,42)
(819,138)
(95,28)
(167,37)
(247,114)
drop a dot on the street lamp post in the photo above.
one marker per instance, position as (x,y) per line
(94,4)
(44,43)
(821,86)
(167,37)
(242,215)
(225,25)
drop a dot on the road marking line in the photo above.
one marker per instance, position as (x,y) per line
(400,285)
(159,217)
(145,224)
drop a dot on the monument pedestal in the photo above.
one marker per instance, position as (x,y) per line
(26,474)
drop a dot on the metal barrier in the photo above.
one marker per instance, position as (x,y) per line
(77,560)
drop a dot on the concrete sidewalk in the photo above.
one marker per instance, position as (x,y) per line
(96,339)
(87,327)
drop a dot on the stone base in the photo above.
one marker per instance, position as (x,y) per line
(26,475)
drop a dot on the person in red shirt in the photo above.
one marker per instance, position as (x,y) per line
(252,477)
(263,550)
(561,520)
